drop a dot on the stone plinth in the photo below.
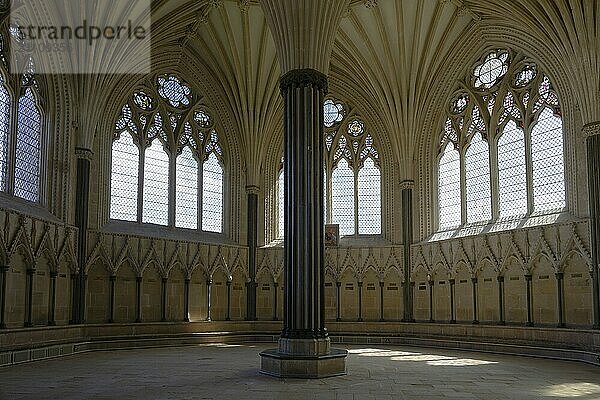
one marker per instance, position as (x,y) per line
(280,365)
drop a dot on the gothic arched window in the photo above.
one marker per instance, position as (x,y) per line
(501,153)
(351,176)
(167,160)
(21,121)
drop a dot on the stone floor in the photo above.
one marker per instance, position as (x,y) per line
(231,372)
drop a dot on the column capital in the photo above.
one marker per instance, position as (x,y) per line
(473,280)
(500,279)
(4,268)
(452,281)
(528,277)
(381,284)
(303,77)
(407,185)
(84,153)
(592,129)
(187,281)
(209,282)
(53,274)
(559,275)
(252,189)
(431,283)
(112,278)
(138,279)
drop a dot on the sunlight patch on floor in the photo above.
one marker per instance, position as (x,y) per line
(430,359)
(577,389)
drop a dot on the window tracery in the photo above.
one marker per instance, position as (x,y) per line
(501,152)
(167,159)
(21,121)
(351,176)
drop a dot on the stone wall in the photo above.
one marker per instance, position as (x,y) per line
(450,272)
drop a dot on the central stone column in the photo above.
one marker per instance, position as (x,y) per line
(304,346)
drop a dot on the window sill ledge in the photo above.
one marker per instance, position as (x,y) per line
(165,232)
(503,226)
(34,210)
(346,241)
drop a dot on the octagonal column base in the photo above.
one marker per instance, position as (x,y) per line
(280,365)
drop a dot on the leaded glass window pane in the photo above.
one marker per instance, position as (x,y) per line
(281,204)
(156,185)
(342,198)
(449,189)
(5,105)
(325,195)
(27,157)
(512,172)
(212,195)
(186,190)
(124,179)
(369,199)
(548,163)
(477,168)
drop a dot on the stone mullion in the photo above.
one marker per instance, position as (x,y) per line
(52,299)
(529,169)
(140,186)
(494,177)
(4,274)
(172,188)
(463,187)
(560,298)
(592,132)
(355,170)
(12,138)
(252,242)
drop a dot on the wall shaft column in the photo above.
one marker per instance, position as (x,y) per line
(252,245)
(452,313)
(528,279)
(407,235)
(186,303)
(501,300)
(52,305)
(82,194)
(475,314)
(4,276)
(560,298)
(111,313)
(592,132)
(381,288)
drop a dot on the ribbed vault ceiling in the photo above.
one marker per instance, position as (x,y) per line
(387,53)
